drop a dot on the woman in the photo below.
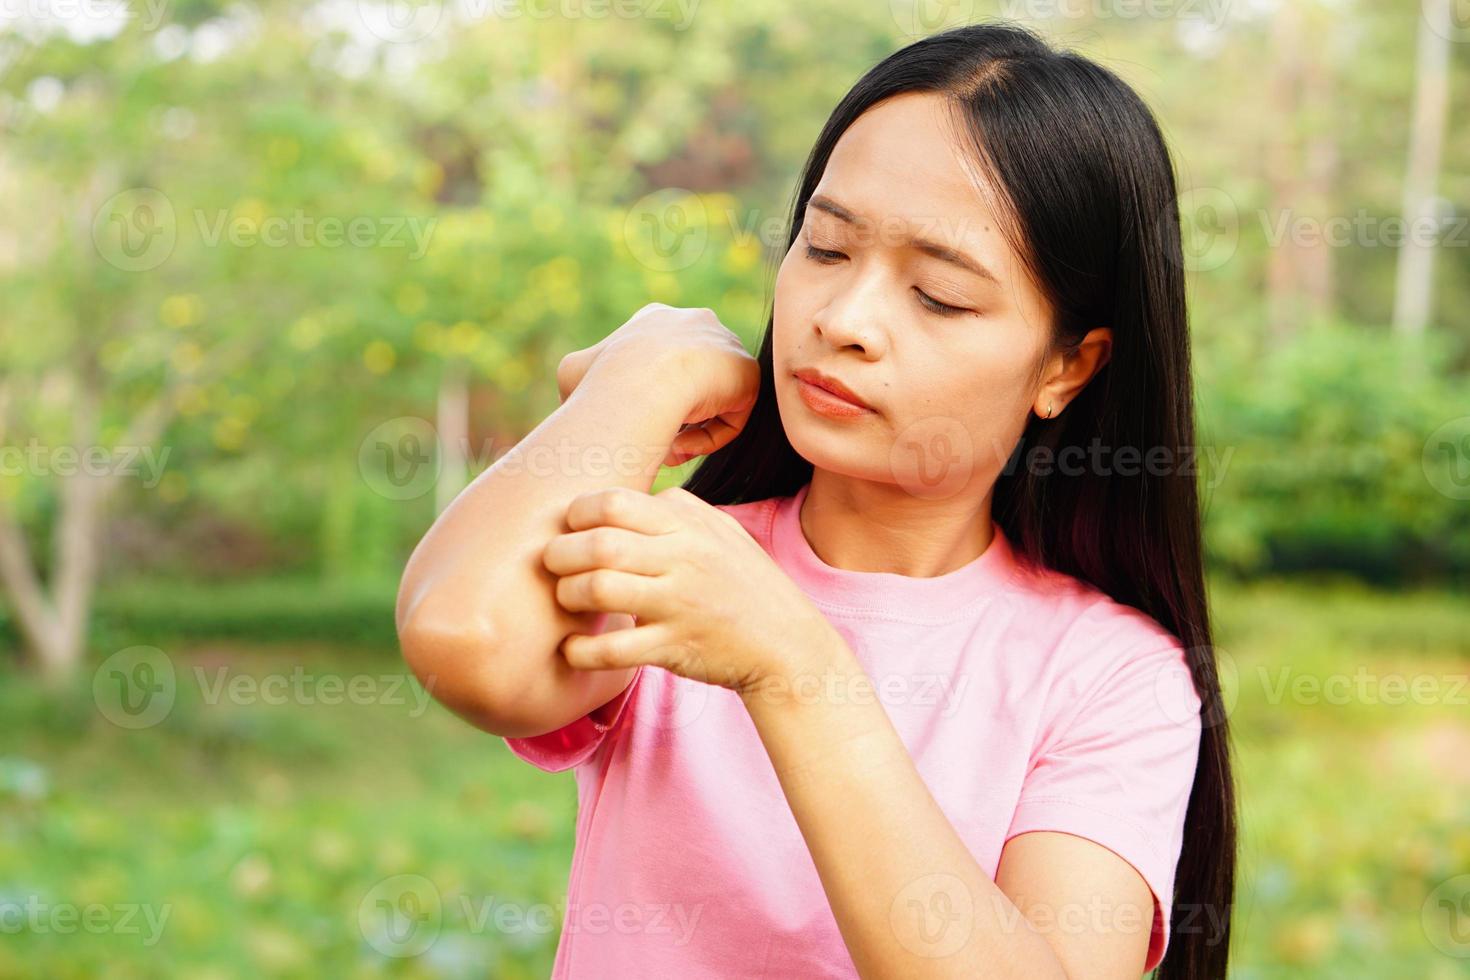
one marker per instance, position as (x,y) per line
(914,676)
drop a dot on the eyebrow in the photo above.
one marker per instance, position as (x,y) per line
(942,252)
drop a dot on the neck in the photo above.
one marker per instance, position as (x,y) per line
(863,526)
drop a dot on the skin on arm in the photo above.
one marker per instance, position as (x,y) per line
(478,619)
(1068,885)
(908,896)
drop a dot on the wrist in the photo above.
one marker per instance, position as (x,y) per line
(642,386)
(805,671)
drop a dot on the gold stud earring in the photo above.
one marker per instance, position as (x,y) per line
(1048,410)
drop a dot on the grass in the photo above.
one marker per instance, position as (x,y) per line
(269,833)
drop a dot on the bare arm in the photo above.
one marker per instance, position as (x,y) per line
(920,904)
(477,616)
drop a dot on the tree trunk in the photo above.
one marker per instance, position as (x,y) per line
(1413,290)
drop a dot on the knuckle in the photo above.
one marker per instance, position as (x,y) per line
(614,504)
(606,546)
(600,586)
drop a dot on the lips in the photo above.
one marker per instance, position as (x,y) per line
(833,385)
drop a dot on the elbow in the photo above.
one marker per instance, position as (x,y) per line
(453,658)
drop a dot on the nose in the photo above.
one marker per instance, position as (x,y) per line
(854,316)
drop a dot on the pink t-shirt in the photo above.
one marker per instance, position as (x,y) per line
(1028,701)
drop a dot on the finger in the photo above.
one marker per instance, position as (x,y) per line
(604,547)
(713,434)
(617,648)
(700,440)
(609,590)
(619,507)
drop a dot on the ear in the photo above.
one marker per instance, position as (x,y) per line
(1067,372)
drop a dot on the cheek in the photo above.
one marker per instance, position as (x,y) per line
(982,382)
(787,298)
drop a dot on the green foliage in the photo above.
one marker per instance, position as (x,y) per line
(263,827)
(1321,449)
(274,610)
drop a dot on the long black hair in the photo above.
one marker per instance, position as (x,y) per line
(1089,188)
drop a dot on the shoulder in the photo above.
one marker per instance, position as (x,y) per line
(1093,643)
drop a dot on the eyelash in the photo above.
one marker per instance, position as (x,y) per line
(827,256)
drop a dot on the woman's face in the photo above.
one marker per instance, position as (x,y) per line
(901,286)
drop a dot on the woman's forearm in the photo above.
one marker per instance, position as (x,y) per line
(477,611)
(909,898)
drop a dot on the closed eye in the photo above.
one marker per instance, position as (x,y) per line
(823,255)
(943,309)
(826,256)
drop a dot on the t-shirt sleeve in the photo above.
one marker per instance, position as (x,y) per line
(575,742)
(1119,770)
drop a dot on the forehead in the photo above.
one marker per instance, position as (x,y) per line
(903,162)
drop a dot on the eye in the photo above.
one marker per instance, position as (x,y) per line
(822,255)
(934,306)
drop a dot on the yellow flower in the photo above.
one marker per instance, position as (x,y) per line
(464,336)
(283,151)
(411,298)
(306,333)
(183,310)
(379,357)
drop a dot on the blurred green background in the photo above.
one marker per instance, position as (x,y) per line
(277,279)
